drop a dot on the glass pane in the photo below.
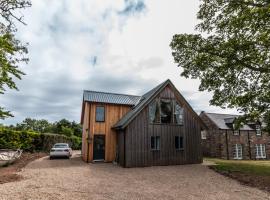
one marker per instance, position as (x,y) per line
(177,142)
(153,142)
(166,111)
(158,142)
(178,113)
(100,114)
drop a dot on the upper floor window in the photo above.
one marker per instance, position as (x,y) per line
(235,130)
(179,143)
(100,114)
(203,135)
(258,129)
(165,111)
(155,142)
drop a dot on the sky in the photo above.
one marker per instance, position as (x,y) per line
(111,45)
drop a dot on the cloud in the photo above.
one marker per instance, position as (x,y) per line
(116,46)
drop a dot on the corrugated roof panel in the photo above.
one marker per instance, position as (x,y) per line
(113,98)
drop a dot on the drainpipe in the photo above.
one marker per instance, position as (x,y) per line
(89,134)
(227,148)
(249,148)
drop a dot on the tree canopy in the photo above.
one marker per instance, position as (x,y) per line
(12,51)
(62,127)
(230,55)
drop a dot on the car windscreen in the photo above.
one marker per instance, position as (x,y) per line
(60,146)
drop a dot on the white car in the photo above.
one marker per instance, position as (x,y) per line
(61,150)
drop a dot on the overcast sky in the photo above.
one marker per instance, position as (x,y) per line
(114,45)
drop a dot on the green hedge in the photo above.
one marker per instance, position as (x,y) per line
(32,141)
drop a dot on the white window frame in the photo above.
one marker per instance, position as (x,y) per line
(238,152)
(260,151)
(258,130)
(203,135)
(236,132)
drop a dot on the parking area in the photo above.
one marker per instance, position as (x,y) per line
(74,179)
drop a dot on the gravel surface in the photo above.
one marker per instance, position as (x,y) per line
(74,179)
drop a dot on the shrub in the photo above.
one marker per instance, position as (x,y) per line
(32,141)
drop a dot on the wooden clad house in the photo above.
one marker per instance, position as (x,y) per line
(158,128)
(223,140)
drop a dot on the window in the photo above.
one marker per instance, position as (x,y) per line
(237,151)
(154,112)
(166,111)
(155,142)
(260,151)
(100,114)
(178,113)
(178,143)
(258,130)
(236,132)
(203,135)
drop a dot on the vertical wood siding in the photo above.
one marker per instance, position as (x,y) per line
(113,113)
(139,131)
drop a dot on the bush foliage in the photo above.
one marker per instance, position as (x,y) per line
(33,141)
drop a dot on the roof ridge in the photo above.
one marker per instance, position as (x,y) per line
(221,113)
(113,93)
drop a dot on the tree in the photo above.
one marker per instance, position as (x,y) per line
(12,51)
(41,126)
(230,55)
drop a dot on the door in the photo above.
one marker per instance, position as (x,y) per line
(99,147)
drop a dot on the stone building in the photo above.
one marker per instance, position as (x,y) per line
(222,140)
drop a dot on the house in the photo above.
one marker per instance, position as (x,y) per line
(223,140)
(158,128)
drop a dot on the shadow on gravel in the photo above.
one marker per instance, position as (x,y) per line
(74,161)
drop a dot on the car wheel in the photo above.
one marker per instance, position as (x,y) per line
(51,158)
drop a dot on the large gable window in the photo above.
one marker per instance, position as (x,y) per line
(100,114)
(178,113)
(154,112)
(258,130)
(166,111)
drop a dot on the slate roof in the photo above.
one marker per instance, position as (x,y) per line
(113,98)
(221,119)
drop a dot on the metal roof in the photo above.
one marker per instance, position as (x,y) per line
(113,98)
(221,119)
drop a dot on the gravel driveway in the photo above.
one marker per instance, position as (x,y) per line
(74,179)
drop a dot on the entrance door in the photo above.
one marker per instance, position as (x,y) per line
(99,147)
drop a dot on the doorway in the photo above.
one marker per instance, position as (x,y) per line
(99,148)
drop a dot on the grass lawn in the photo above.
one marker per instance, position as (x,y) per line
(261,168)
(248,172)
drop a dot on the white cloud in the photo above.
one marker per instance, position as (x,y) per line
(119,46)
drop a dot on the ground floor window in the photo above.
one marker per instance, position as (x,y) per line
(178,143)
(155,142)
(237,151)
(260,151)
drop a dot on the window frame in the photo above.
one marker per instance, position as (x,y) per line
(173,102)
(156,144)
(104,115)
(262,150)
(236,155)
(203,134)
(179,141)
(258,130)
